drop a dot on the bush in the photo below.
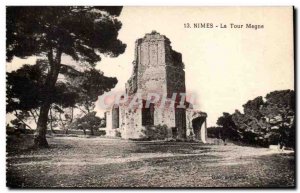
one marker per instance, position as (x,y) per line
(213,132)
(89,122)
(158,132)
(263,123)
(118,134)
(274,138)
(102,133)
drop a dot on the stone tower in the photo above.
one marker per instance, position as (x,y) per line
(156,67)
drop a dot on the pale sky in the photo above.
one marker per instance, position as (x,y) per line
(224,67)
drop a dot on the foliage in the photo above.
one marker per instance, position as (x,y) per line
(77,31)
(157,132)
(279,103)
(81,32)
(25,85)
(88,122)
(213,132)
(103,123)
(291,137)
(252,107)
(89,85)
(229,129)
(264,122)
(118,134)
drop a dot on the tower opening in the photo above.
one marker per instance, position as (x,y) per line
(115,117)
(148,115)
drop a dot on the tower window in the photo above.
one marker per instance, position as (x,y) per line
(115,117)
(148,115)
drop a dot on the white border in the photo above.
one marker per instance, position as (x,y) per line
(124,3)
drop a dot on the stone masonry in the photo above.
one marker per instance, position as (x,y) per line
(157,68)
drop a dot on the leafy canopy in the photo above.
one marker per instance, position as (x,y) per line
(25,87)
(80,32)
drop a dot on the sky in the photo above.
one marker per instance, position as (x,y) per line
(225,67)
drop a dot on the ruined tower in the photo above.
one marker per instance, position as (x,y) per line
(158,69)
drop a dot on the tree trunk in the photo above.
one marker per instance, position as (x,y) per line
(71,120)
(72,115)
(41,130)
(92,131)
(224,140)
(51,118)
(40,133)
(62,124)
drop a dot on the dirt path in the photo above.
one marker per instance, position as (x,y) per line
(100,162)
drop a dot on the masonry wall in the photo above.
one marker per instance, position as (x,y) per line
(175,72)
(123,120)
(132,123)
(151,65)
(109,124)
(157,68)
(192,114)
(165,116)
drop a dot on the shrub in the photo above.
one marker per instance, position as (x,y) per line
(213,132)
(264,122)
(157,132)
(102,133)
(118,134)
(274,138)
(88,122)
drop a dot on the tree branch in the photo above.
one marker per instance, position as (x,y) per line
(81,110)
(33,116)
(16,114)
(51,119)
(36,112)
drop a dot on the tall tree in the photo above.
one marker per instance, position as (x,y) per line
(73,90)
(88,122)
(228,130)
(265,122)
(89,85)
(80,32)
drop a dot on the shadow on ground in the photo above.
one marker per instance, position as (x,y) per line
(100,162)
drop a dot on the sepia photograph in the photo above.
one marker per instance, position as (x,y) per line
(150,97)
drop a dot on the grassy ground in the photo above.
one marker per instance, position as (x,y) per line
(100,162)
